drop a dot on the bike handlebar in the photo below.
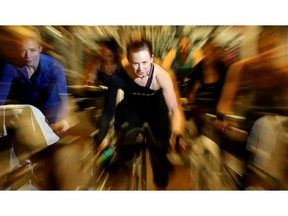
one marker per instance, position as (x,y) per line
(177,144)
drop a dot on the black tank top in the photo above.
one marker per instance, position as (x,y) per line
(141,99)
(133,88)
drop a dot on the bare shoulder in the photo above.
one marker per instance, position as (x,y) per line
(162,77)
(160,72)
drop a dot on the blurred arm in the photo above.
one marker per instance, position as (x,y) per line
(168,60)
(230,88)
(109,109)
(61,123)
(197,56)
(6,78)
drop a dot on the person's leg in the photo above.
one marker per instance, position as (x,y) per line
(159,123)
(124,114)
(161,167)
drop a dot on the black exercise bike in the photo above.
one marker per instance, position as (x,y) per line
(138,140)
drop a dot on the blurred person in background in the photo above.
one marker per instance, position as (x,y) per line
(33,98)
(256,88)
(30,77)
(98,72)
(209,79)
(107,63)
(181,60)
(266,74)
(149,96)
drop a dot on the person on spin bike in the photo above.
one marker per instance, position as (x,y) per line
(149,96)
(266,75)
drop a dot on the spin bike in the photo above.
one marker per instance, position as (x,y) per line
(138,139)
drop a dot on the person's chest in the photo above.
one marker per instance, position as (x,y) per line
(41,78)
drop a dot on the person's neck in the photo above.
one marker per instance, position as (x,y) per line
(147,75)
(32,68)
(35,65)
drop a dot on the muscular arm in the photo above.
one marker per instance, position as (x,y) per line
(171,99)
(267,70)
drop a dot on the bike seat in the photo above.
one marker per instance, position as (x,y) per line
(139,137)
(134,137)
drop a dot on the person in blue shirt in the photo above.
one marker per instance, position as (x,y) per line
(37,79)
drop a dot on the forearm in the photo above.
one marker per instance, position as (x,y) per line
(61,85)
(103,130)
(177,122)
(60,124)
(109,110)
(63,109)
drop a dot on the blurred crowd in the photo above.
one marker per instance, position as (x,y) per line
(224,71)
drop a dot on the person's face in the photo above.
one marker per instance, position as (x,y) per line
(141,62)
(30,52)
(184,45)
(107,55)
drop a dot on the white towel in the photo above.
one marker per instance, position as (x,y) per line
(29,122)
